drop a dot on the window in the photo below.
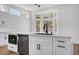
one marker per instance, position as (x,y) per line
(14,12)
(48,18)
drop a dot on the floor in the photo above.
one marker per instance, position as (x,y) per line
(4,51)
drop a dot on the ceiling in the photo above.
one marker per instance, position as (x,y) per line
(35,7)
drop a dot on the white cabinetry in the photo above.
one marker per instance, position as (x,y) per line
(40,45)
(50,45)
(3,39)
(62,46)
(4,22)
(12,47)
(3,18)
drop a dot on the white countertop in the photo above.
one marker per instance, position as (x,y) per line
(74,41)
(57,36)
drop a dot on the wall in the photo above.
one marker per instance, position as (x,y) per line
(16,24)
(68,20)
(4,16)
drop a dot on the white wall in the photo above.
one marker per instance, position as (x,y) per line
(4,16)
(68,16)
(16,24)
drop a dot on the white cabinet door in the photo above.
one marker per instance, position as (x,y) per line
(45,48)
(62,46)
(33,45)
(12,47)
(40,48)
(33,48)
(3,39)
(39,45)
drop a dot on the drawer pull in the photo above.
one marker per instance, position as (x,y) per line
(61,41)
(60,46)
(5,38)
(12,47)
(37,46)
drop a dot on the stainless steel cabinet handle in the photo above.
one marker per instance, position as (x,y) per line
(5,38)
(61,41)
(39,46)
(60,46)
(12,47)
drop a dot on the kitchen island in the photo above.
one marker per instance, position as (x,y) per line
(49,45)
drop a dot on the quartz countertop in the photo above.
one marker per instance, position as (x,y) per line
(57,36)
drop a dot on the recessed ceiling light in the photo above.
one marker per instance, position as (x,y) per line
(38,5)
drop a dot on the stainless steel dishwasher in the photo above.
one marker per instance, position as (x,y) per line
(23,44)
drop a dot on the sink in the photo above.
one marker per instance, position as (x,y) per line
(44,33)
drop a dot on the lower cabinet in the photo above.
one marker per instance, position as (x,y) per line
(3,39)
(62,46)
(39,47)
(12,47)
(50,45)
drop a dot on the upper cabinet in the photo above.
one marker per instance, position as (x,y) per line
(48,18)
(3,18)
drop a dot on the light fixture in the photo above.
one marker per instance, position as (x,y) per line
(37,5)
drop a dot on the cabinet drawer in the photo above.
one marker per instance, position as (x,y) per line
(12,47)
(62,41)
(47,39)
(62,50)
(62,46)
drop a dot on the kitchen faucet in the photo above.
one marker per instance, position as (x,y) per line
(45,28)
